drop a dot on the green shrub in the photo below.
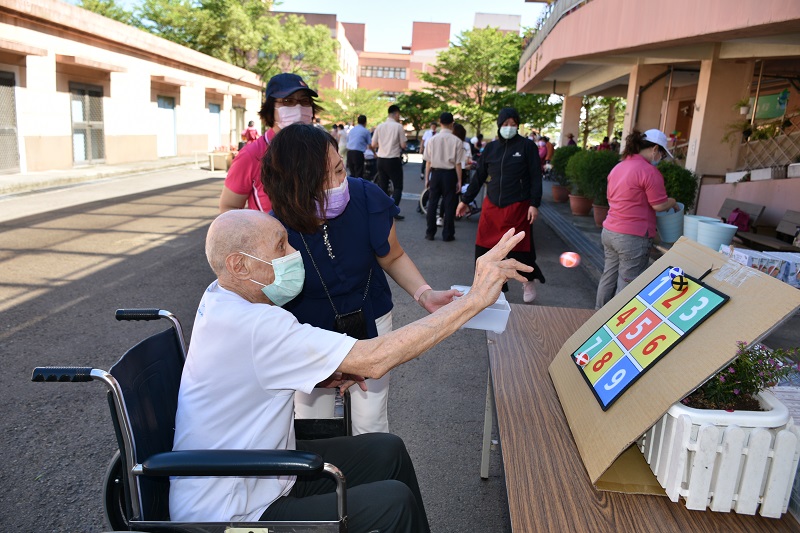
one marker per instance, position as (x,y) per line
(560,159)
(588,173)
(680,183)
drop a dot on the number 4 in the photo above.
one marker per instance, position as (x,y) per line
(621,319)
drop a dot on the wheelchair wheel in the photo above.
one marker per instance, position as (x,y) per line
(423,201)
(114,502)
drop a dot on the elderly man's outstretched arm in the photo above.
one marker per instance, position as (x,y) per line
(374,357)
(235,235)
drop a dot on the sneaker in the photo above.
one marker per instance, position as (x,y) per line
(439,221)
(528,291)
(399,217)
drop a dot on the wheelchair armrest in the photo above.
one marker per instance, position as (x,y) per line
(232,463)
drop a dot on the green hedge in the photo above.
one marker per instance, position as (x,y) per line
(680,183)
(588,173)
(560,159)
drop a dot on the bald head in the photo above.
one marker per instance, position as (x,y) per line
(241,230)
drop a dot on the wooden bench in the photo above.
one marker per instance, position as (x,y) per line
(787,226)
(754,210)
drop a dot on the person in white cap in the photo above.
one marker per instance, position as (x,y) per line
(635,192)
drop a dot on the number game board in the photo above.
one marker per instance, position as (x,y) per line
(643,331)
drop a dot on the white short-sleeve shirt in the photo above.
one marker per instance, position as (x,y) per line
(244,364)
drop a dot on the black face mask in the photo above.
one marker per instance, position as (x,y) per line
(352,324)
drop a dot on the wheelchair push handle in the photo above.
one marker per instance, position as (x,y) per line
(137,314)
(74,374)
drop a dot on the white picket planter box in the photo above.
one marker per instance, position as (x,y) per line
(726,460)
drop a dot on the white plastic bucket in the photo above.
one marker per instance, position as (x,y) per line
(670,224)
(715,234)
(690,225)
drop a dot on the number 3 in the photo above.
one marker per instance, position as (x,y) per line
(700,305)
(615,379)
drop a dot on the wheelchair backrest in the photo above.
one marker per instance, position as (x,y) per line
(149,375)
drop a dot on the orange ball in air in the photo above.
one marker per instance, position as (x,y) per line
(570,259)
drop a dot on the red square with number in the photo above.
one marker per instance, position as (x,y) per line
(639,329)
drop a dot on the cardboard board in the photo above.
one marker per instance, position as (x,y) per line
(758,304)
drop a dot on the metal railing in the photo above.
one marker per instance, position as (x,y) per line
(547,21)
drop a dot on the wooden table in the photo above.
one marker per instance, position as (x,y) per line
(548,487)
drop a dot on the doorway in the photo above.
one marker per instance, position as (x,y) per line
(9,145)
(88,135)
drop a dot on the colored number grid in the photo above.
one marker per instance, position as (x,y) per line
(642,332)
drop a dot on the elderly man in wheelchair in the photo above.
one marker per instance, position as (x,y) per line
(234,460)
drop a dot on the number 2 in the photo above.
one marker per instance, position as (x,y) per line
(618,376)
(695,308)
(668,301)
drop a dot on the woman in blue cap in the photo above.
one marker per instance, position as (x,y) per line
(287,99)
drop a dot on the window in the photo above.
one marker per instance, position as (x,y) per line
(396,73)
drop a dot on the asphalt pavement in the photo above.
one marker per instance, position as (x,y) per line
(72,254)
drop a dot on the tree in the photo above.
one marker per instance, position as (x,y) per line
(478,75)
(343,107)
(294,46)
(108,8)
(599,117)
(420,108)
(240,32)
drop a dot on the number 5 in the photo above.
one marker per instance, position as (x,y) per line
(639,327)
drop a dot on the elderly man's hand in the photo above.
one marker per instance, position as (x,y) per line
(343,382)
(492,269)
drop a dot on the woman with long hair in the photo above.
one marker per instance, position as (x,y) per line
(635,192)
(344,229)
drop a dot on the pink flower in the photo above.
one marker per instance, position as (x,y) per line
(731,370)
(722,379)
(736,391)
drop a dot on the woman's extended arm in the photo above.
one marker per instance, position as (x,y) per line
(403,270)
(229,200)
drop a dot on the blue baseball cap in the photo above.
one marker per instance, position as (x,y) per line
(282,85)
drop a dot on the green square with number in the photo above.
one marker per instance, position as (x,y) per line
(701,304)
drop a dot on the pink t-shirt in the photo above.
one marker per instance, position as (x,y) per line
(244,176)
(634,185)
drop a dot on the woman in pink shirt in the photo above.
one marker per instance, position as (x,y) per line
(635,192)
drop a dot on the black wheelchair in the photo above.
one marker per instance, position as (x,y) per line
(143,398)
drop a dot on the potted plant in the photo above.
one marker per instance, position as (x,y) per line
(561,157)
(730,444)
(601,164)
(588,171)
(680,183)
(743,105)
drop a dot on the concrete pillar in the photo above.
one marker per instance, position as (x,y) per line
(720,85)
(650,103)
(570,118)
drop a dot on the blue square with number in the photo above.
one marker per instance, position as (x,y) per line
(615,380)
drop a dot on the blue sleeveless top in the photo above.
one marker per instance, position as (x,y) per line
(356,237)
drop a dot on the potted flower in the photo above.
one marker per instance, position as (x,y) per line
(561,157)
(743,105)
(730,444)
(588,174)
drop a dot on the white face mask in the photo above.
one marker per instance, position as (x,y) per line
(287,116)
(506,132)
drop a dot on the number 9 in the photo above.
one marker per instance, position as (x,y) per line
(618,376)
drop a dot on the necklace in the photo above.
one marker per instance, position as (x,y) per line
(327,241)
